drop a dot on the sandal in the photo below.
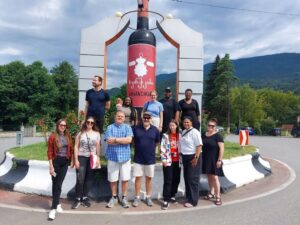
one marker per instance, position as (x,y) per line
(218,201)
(209,196)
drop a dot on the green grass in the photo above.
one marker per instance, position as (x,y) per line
(33,152)
(39,151)
(234,149)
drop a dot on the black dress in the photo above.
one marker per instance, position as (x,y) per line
(210,154)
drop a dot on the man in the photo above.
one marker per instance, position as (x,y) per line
(146,137)
(171,109)
(118,137)
(97,101)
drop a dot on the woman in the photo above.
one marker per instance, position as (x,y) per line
(190,107)
(130,112)
(60,152)
(170,160)
(213,149)
(87,142)
(156,109)
(190,148)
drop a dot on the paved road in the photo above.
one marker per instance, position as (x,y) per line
(280,208)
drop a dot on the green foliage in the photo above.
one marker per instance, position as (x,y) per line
(267,126)
(66,83)
(74,122)
(29,93)
(282,107)
(246,107)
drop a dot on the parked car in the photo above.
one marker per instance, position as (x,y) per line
(250,129)
(220,129)
(296,130)
(276,131)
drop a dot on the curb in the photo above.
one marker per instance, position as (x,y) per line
(33,177)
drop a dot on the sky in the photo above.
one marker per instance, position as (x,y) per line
(49,30)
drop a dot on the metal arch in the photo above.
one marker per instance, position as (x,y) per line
(129,12)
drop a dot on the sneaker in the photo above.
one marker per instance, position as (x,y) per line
(124,202)
(188,205)
(173,200)
(165,206)
(86,202)
(52,214)
(136,202)
(149,202)
(76,204)
(112,202)
(59,209)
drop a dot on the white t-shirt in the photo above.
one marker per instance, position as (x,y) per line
(190,141)
(88,143)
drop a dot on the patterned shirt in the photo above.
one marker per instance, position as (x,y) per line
(120,152)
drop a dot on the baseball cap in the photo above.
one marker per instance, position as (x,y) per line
(167,89)
(147,114)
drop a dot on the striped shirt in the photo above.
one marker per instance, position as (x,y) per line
(120,152)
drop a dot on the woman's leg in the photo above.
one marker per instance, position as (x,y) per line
(167,171)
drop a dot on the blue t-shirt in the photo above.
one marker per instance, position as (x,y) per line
(154,107)
(144,144)
(97,101)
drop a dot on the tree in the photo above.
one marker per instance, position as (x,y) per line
(41,92)
(282,107)
(224,81)
(209,86)
(246,107)
(66,82)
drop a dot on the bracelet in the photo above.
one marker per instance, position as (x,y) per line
(196,156)
(219,160)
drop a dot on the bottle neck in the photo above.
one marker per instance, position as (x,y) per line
(143,20)
(142,23)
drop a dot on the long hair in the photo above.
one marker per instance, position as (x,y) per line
(66,133)
(84,127)
(177,129)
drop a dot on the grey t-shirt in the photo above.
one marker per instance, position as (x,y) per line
(64,143)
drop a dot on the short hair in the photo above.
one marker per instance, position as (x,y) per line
(99,78)
(188,118)
(120,111)
(188,90)
(214,120)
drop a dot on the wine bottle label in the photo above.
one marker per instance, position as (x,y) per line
(141,73)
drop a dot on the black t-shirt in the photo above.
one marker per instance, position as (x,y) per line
(97,101)
(171,106)
(191,110)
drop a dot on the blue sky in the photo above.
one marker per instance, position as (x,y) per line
(49,30)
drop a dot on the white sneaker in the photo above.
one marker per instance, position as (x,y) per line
(59,209)
(52,214)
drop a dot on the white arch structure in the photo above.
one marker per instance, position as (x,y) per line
(189,44)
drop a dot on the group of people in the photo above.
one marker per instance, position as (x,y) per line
(172,125)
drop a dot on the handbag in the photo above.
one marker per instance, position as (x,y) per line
(93,157)
(93,161)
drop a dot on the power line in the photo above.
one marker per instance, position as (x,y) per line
(233,8)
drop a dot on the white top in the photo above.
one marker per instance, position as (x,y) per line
(88,143)
(190,141)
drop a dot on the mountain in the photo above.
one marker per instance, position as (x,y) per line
(278,71)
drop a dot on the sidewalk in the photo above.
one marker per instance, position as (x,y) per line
(281,176)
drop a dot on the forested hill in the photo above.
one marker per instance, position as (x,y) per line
(277,66)
(278,71)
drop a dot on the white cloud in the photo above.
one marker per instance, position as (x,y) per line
(51,10)
(10,51)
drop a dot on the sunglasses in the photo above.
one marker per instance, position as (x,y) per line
(62,125)
(146,118)
(89,122)
(210,125)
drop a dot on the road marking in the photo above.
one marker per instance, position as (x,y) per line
(291,179)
